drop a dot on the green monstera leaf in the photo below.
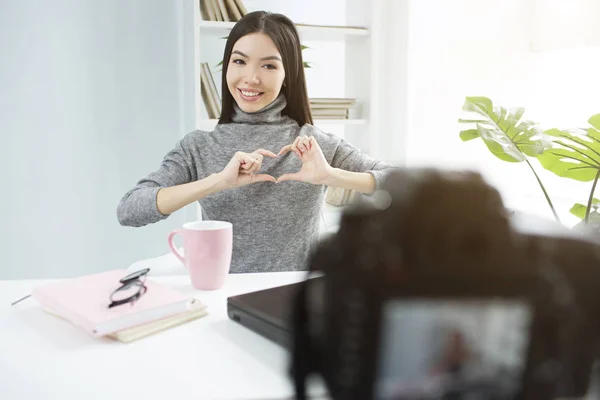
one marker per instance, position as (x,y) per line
(506,134)
(574,154)
(579,210)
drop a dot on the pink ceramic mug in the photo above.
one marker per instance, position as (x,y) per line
(207,248)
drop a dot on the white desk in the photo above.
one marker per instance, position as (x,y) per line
(43,357)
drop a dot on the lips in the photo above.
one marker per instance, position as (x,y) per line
(250,95)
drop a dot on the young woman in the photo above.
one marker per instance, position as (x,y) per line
(265,168)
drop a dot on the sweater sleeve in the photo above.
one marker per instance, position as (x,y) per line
(138,206)
(350,158)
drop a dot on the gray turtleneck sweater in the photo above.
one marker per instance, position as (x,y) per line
(275,225)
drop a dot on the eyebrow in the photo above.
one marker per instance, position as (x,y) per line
(262,59)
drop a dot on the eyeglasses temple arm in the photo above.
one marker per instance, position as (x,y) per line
(20,300)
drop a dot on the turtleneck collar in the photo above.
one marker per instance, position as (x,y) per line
(271,114)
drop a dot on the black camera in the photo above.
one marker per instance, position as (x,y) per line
(431,290)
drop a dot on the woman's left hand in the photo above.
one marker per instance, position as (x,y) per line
(315,168)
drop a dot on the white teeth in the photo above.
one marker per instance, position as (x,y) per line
(249,94)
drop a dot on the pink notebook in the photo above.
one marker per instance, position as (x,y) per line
(84,302)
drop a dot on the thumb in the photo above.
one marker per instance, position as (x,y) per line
(263,178)
(296,176)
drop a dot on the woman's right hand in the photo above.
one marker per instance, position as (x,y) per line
(241,169)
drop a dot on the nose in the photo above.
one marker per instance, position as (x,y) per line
(253,77)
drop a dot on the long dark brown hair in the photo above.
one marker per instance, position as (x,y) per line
(283,33)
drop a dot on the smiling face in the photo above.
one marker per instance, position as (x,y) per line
(255,72)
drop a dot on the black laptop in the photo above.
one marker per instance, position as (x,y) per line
(266,312)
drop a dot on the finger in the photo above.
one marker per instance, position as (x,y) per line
(300,145)
(311,141)
(295,147)
(251,169)
(296,176)
(304,144)
(244,158)
(266,153)
(247,162)
(287,149)
(263,178)
(290,147)
(245,165)
(256,165)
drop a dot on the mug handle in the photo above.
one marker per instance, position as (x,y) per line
(172,245)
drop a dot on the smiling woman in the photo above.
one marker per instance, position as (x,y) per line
(265,168)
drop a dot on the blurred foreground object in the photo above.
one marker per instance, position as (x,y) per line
(431,290)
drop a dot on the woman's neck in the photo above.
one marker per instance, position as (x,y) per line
(270,114)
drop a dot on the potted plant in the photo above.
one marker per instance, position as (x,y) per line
(571,153)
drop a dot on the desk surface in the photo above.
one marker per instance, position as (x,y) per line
(213,357)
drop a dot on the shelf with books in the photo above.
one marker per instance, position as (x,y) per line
(219,17)
(307,32)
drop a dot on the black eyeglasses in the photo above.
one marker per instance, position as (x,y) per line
(132,288)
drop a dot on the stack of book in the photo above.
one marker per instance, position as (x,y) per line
(222,10)
(331,108)
(208,90)
(83,302)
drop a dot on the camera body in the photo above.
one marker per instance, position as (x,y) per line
(429,291)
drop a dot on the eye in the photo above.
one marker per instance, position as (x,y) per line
(270,66)
(238,61)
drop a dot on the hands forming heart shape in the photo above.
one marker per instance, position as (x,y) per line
(242,168)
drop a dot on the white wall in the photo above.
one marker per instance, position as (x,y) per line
(91,99)
(482,48)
